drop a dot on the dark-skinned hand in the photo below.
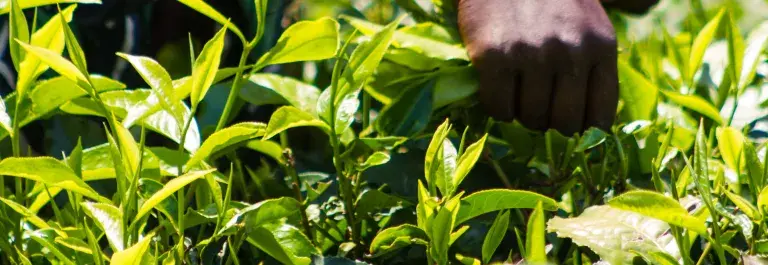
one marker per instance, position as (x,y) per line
(546,63)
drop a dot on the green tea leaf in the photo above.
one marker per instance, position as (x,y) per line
(745,206)
(494,236)
(290,117)
(615,234)
(591,138)
(206,67)
(59,64)
(754,167)
(283,242)
(74,50)
(203,8)
(18,30)
(409,113)
(46,240)
(535,240)
(467,161)
(272,89)
(756,45)
(454,86)
(5,6)
(658,206)
(376,159)
(110,220)
(49,36)
(637,93)
(304,41)
(371,201)
(695,103)
(226,138)
(169,206)
(5,119)
(736,48)
(730,141)
(394,238)
(159,80)
(50,171)
(136,254)
(168,190)
(406,39)
(440,230)
(467,260)
(345,109)
(434,155)
(268,211)
(124,102)
(269,148)
(703,39)
(27,214)
(487,201)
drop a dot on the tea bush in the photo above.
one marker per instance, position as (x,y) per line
(373,150)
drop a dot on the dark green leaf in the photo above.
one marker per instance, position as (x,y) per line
(495,235)
(394,238)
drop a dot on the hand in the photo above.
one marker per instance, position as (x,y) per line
(547,63)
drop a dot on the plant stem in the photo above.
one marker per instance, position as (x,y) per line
(181,198)
(290,168)
(235,87)
(366,109)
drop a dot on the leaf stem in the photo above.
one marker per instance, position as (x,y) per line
(235,87)
(290,168)
(181,198)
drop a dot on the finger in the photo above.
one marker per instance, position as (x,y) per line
(602,96)
(498,84)
(535,94)
(568,100)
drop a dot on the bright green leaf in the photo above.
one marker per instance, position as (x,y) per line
(658,206)
(636,92)
(168,190)
(136,254)
(226,138)
(702,41)
(203,8)
(290,117)
(304,41)
(110,220)
(206,67)
(18,30)
(695,103)
(495,235)
(730,141)
(535,240)
(49,171)
(487,201)
(272,89)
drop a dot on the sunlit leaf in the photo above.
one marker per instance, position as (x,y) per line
(702,41)
(283,242)
(110,220)
(206,66)
(614,234)
(535,240)
(49,171)
(159,80)
(487,201)
(636,92)
(18,30)
(304,41)
(467,161)
(394,238)
(406,39)
(272,89)
(58,64)
(730,142)
(169,189)
(207,10)
(5,6)
(290,117)
(49,36)
(226,138)
(134,255)
(695,103)
(656,205)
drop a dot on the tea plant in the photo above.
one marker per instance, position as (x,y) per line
(680,178)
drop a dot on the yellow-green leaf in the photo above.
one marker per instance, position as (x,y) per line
(695,103)
(658,206)
(206,67)
(50,171)
(703,39)
(168,190)
(305,41)
(134,254)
